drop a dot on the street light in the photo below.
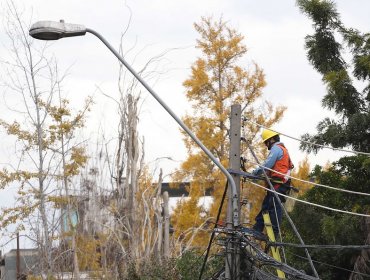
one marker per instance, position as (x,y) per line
(52,30)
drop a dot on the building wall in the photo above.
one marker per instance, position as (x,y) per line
(28,262)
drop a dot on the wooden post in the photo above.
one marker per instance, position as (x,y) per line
(18,259)
(159,216)
(166,213)
(232,261)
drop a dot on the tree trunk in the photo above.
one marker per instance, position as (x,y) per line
(362,264)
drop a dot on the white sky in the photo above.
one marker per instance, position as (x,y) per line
(274,34)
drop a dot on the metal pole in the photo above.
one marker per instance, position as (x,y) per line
(18,259)
(232,262)
(182,125)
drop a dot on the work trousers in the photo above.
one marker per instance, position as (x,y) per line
(272,206)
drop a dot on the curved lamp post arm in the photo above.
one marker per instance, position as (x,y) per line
(180,122)
(52,30)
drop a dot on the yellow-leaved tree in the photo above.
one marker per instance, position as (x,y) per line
(218,79)
(301,172)
(47,154)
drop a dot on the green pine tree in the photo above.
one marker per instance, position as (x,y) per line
(348,95)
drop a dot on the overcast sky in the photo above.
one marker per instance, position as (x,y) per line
(274,34)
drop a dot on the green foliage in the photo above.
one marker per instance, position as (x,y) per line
(319,226)
(344,79)
(190,263)
(185,267)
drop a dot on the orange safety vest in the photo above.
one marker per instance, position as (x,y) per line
(283,166)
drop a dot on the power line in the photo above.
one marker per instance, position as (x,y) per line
(313,204)
(333,266)
(213,232)
(264,260)
(307,142)
(313,183)
(336,247)
(286,214)
(252,177)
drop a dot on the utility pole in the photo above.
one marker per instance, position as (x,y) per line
(232,256)
(18,259)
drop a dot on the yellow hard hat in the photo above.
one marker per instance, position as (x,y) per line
(267,134)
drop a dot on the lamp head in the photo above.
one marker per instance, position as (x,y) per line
(53,30)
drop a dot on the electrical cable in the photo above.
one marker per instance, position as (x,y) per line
(308,182)
(290,244)
(333,266)
(286,213)
(213,231)
(315,246)
(313,204)
(312,183)
(307,142)
(336,247)
(264,260)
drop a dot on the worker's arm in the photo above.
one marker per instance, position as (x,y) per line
(275,153)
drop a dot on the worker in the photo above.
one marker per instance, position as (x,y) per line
(278,160)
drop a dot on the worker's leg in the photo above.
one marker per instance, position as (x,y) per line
(259,225)
(275,210)
(275,215)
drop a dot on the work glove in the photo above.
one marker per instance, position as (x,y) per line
(255,172)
